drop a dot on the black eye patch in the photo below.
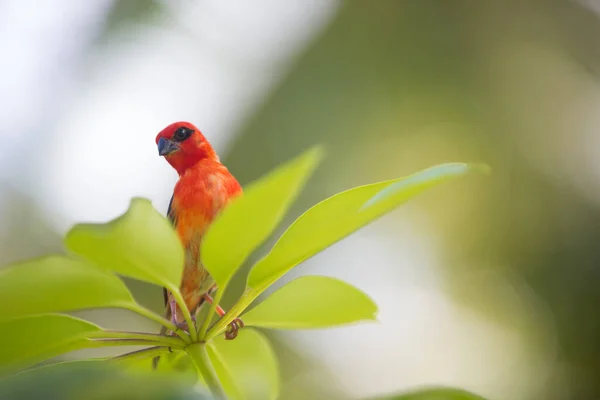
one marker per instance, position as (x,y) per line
(182,133)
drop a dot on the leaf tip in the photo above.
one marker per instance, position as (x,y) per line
(481,168)
(313,156)
(457,169)
(374,313)
(318,152)
(136,205)
(73,235)
(137,201)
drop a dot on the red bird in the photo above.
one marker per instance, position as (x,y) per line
(204,188)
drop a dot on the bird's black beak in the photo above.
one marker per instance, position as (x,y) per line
(166,147)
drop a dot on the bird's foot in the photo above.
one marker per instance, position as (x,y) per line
(183,325)
(233,328)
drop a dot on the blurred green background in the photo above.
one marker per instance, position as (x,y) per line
(489,284)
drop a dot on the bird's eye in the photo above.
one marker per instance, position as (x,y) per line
(182,133)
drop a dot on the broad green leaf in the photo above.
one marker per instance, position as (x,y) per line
(312,302)
(249,219)
(57,284)
(439,393)
(96,380)
(140,244)
(333,219)
(35,338)
(177,365)
(247,367)
(338,216)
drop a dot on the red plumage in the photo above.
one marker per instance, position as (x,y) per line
(204,188)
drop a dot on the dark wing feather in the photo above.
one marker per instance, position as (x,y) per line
(171,213)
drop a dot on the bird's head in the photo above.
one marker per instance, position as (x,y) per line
(183,145)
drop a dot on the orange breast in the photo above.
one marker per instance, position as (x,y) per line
(199,195)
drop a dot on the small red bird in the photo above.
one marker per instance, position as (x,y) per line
(204,188)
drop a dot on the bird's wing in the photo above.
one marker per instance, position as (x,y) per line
(171,213)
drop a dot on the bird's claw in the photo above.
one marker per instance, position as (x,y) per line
(233,328)
(183,325)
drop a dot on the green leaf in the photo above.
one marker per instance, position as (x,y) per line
(330,221)
(140,244)
(56,284)
(312,302)
(252,217)
(247,367)
(177,365)
(338,216)
(94,380)
(439,393)
(35,338)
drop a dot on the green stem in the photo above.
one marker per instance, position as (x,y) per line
(230,315)
(211,312)
(144,353)
(159,340)
(123,342)
(199,355)
(186,313)
(157,318)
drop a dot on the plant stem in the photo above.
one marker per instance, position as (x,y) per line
(199,355)
(186,313)
(159,340)
(124,342)
(157,318)
(144,353)
(211,312)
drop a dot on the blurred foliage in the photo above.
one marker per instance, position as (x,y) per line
(25,232)
(94,381)
(247,366)
(434,394)
(419,82)
(100,381)
(127,13)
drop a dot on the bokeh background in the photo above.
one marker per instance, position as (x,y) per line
(490,284)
